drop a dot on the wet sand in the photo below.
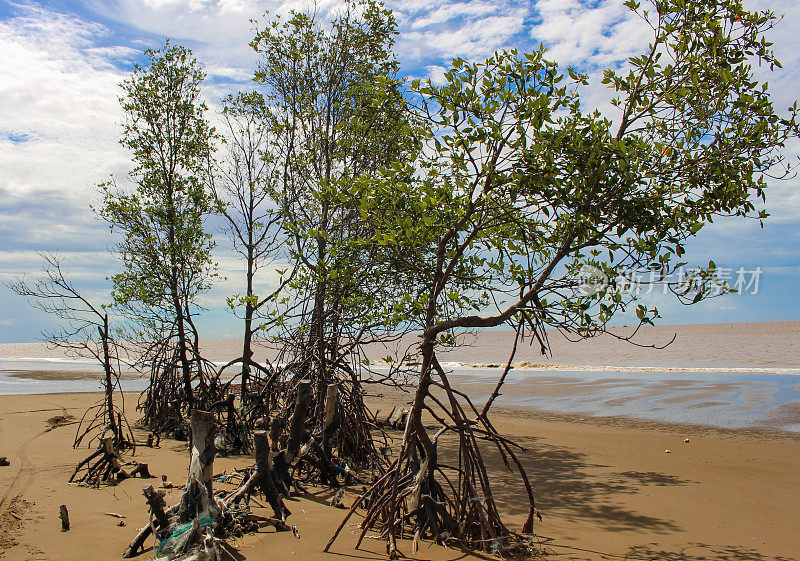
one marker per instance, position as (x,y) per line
(605,486)
(61,375)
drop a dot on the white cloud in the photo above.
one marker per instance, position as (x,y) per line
(580,34)
(435,73)
(473,29)
(448,12)
(83,265)
(58,104)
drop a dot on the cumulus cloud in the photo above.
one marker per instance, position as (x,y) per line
(435,73)
(472,29)
(218,31)
(58,103)
(589,34)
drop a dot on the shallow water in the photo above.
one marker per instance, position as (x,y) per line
(722,399)
(24,386)
(725,375)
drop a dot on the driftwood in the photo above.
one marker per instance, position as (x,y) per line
(197,499)
(103,466)
(155,499)
(195,527)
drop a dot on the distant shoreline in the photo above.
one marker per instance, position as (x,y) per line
(747,347)
(74,375)
(62,375)
(506,329)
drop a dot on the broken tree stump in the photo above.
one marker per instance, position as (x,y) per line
(327,469)
(198,496)
(316,455)
(155,499)
(331,398)
(261,479)
(142,470)
(283,460)
(64,515)
(195,528)
(197,500)
(297,426)
(106,469)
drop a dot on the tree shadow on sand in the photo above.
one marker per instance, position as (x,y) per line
(693,551)
(700,552)
(566,483)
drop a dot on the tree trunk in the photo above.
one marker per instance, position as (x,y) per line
(297,426)
(247,352)
(182,354)
(330,423)
(112,423)
(283,460)
(249,309)
(261,479)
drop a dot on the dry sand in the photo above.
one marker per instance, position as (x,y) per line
(605,486)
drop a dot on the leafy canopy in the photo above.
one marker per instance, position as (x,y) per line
(517,188)
(166,253)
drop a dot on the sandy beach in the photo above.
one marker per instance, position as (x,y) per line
(605,486)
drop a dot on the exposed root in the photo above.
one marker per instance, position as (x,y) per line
(421,497)
(104,466)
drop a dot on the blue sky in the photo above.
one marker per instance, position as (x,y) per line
(61,63)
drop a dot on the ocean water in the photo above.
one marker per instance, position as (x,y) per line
(725,375)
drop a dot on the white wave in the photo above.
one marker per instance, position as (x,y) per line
(648,368)
(59,360)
